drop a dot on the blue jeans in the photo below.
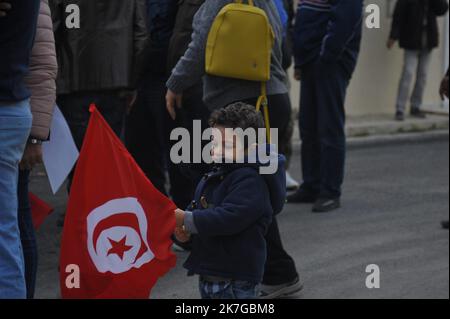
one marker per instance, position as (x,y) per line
(15,125)
(27,234)
(228,290)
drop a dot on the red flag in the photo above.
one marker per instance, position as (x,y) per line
(39,210)
(118,225)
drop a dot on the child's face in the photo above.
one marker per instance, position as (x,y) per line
(226,145)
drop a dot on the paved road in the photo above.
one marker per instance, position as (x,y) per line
(395,197)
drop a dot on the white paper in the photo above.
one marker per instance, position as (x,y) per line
(60,153)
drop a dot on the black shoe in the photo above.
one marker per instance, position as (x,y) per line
(399,116)
(324,205)
(302,197)
(417,113)
(445,224)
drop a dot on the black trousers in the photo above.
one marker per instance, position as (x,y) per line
(146,130)
(280,267)
(280,112)
(184,178)
(75,108)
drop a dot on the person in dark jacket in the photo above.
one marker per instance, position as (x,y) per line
(327,43)
(146,132)
(415,27)
(231,213)
(17,31)
(101,61)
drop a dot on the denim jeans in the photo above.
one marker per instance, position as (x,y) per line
(27,233)
(15,125)
(322,127)
(228,290)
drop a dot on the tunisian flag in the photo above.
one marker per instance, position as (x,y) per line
(118,226)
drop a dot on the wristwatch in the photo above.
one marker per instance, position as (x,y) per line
(34,141)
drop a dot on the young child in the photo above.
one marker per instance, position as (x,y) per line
(230,215)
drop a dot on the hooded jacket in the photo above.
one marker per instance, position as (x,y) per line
(233,208)
(17,31)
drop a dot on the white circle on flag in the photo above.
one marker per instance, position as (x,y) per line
(118,248)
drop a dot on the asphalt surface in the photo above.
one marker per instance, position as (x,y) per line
(395,197)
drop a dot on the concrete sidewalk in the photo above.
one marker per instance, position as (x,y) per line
(379,129)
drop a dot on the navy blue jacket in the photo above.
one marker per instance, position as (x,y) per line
(232,211)
(17,31)
(330,30)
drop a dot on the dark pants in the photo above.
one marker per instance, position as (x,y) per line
(146,132)
(184,178)
(322,127)
(75,108)
(27,234)
(280,267)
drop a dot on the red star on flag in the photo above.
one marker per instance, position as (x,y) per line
(119,247)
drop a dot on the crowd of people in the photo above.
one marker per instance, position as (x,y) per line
(142,62)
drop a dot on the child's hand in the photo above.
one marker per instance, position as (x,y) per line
(179,215)
(181,235)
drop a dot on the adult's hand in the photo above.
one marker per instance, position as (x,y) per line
(390,44)
(173,100)
(4,7)
(31,157)
(443,91)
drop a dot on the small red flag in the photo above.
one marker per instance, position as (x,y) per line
(118,225)
(39,210)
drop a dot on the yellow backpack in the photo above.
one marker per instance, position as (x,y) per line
(240,45)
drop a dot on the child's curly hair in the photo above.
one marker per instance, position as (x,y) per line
(237,115)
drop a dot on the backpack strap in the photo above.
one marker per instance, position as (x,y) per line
(262,101)
(250,2)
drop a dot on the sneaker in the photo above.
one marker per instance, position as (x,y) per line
(291,183)
(281,291)
(418,113)
(325,205)
(302,197)
(445,224)
(399,116)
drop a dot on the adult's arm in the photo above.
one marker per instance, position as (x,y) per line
(141,40)
(42,76)
(191,67)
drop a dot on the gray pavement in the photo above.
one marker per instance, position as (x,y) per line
(394,199)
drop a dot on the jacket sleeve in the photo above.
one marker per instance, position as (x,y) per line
(141,41)
(42,76)
(398,19)
(243,206)
(346,15)
(191,67)
(439,7)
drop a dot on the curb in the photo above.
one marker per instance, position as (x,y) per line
(354,143)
